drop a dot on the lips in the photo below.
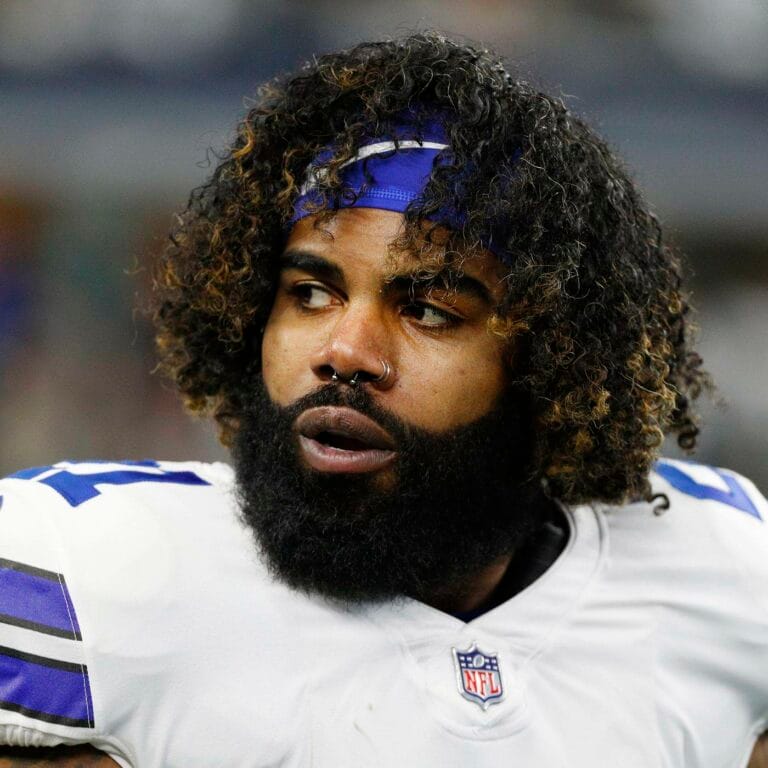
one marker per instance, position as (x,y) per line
(342,440)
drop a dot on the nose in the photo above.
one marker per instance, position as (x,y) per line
(357,350)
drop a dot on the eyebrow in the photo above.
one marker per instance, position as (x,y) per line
(311,262)
(308,261)
(453,282)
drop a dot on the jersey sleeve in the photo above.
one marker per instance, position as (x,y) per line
(749,551)
(726,509)
(89,558)
(45,693)
(749,546)
(738,514)
(45,682)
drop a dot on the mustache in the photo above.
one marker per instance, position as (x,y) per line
(356,398)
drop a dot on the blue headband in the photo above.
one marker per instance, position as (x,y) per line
(388,175)
(385,173)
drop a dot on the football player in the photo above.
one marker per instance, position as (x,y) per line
(444,338)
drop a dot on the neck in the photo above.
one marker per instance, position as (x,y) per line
(475,593)
(509,574)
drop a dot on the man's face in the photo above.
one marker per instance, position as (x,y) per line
(339,308)
(408,485)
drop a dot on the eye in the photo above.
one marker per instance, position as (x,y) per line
(430,315)
(311,295)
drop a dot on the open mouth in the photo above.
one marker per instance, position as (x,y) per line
(342,442)
(339,439)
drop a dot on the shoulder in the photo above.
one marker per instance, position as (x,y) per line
(694,563)
(73,484)
(688,494)
(91,555)
(695,504)
(707,489)
(66,497)
(109,517)
(113,526)
(733,515)
(719,511)
(704,536)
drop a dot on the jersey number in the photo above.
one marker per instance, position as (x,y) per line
(76,488)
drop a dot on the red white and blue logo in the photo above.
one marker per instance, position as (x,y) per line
(478,676)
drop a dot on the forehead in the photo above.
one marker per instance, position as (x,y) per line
(375,237)
(349,229)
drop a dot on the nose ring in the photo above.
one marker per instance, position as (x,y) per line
(385,374)
(354,380)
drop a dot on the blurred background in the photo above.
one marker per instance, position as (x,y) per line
(108,109)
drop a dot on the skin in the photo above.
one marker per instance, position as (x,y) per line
(448,370)
(759,757)
(338,308)
(64,757)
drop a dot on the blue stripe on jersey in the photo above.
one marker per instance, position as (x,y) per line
(734,497)
(36,599)
(45,689)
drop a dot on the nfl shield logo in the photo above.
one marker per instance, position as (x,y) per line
(478,676)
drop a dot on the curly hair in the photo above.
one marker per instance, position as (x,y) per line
(593,298)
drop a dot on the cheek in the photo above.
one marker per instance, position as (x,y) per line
(442,391)
(280,362)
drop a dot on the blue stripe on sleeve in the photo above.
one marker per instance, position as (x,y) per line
(36,599)
(45,689)
(734,497)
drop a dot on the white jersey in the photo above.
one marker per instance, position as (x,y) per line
(135,614)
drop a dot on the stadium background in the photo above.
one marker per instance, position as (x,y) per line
(108,111)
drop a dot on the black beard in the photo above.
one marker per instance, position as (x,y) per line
(461,500)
